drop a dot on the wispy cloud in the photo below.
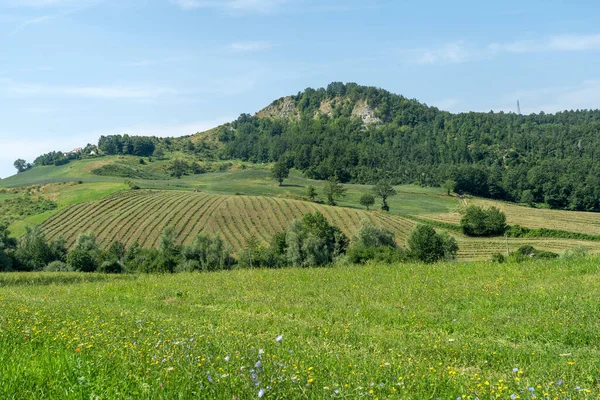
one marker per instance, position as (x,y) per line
(158,61)
(250,47)
(460,52)
(450,53)
(242,6)
(99,92)
(61,8)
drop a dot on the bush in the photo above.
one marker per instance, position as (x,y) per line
(528,252)
(360,254)
(498,258)
(82,260)
(111,267)
(427,246)
(479,222)
(58,266)
(313,242)
(576,252)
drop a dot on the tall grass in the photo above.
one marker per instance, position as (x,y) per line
(402,331)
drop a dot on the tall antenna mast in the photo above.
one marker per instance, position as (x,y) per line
(518,107)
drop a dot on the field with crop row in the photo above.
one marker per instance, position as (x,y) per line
(142,215)
(572,221)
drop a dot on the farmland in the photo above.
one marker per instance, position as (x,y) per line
(142,215)
(406,331)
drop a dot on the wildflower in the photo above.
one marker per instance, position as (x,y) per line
(261,393)
(559,383)
(531,389)
(279,338)
(261,351)
(336,392)
(290,351)
(227,357)
(210,379)
(515,370)
(513,396)
(258,364)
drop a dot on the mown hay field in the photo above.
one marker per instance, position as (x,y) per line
(571,221)
(409,331)
(141,216)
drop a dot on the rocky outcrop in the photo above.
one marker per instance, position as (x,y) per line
(365,113)
(282,109)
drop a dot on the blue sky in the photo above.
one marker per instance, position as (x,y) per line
(72,70)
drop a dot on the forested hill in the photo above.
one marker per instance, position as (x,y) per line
(363,134)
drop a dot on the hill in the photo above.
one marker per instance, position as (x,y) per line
(402,331)
(362,134)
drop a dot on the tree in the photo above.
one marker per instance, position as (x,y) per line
(449,185)
(334,190)
(280,171)
(33,252)
(20,165)
(477,221)
(178,168)
(159,152)
(311,192)
(428,246)
(384,189)
(367,200)
(7,246)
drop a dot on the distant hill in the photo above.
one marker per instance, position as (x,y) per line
(364,134)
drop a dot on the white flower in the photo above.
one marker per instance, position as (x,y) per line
(227,357)
(261,393)
(279,338)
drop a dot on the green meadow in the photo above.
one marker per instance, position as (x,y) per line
(468,330)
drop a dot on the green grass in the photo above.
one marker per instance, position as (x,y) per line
(407,331)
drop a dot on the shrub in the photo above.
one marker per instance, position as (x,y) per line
(528,252)
(576,252)
(58,266)
(313,242)
(476,221)
(367,200)
(111,267)
(369,235)
(498,258)
(82,260)
(427,246)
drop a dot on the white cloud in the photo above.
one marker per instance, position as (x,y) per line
(459,52)
(250,47)
(242,6)
(450,53)
(100,92)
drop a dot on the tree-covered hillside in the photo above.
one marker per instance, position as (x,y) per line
(362,134)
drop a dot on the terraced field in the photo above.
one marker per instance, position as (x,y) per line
(142,215)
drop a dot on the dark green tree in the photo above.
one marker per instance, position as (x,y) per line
(427,246)
(367,200)
(280,172)
(384,189)
(334,190)
(311,192)
(20,165)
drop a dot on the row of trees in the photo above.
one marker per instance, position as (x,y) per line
(543,158)
(141,146)
(308,242)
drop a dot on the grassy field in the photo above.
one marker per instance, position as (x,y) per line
(402,331)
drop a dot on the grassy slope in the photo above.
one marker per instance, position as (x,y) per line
(255,180)
(410,331)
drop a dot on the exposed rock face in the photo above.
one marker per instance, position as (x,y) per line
(282,109)
(365,113)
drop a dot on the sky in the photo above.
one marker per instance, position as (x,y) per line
(72,70)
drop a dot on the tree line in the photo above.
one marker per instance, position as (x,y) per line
(308,242)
